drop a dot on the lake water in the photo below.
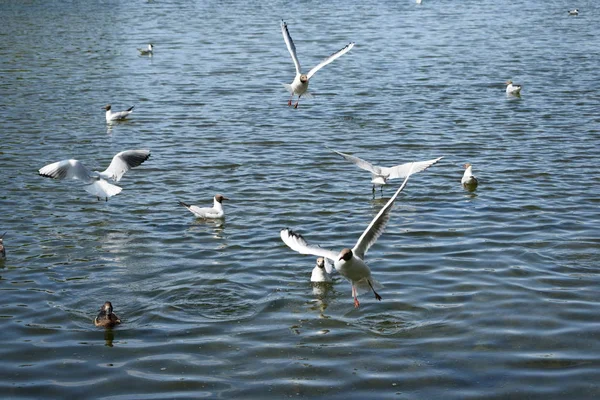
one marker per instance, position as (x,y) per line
(488,294)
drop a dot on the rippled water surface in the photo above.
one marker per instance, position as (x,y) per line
(488,294)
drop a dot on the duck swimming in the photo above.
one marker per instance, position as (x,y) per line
(106,318)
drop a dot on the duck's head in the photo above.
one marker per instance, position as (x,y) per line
(107,308)
(345,255)
(303,78)
(219,198)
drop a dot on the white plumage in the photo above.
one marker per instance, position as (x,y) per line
(96,182)
(299,85)
(468,180)
(349,262)
(216,211)
(147,52)
(381,175)
(118,115)
(512,88)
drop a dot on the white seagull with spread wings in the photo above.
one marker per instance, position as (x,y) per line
(349,262)
(300,84)
(96,182)
(381,175)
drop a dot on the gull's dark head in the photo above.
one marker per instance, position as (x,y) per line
(303,78)
(345,255)
(106,107)
(220,198)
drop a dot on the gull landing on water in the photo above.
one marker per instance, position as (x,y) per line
(511,89)
(469,181)
(147,52)
(381,175)
(116,116)
(299,85)
(96,183)
(209,213)
(350,262)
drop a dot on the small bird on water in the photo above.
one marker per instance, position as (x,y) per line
(469,181)
(574,12)
(512,89)
(106,318)
(216,211)
(116,116)
(319,272)
(147,52)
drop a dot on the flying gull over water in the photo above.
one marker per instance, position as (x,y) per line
(96,183)
(299,85)
(350,262)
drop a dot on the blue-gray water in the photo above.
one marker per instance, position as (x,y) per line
(491,294)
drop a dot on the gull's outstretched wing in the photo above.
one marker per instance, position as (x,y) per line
(123,162)
(329,59)
(296,242)
(290,45)
(377,226)
(360,163)
(401,171)
(66,169)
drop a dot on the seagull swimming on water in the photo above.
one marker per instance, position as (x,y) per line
(469,181)
(106,318)
(574,12)
(381,175)
(147,52)
(299,85)
(350,262)
(116,116)
(319,272)
(209,213)
(96,183)
(514,90)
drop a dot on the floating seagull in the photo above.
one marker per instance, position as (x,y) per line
(300,83)
(2,248)
(106,318)
(116,116)
(147,52)
(574,11)
(349,262)
(514,90)
(319,273)
(96,182)
(381,175)
(210,213)
(468,180)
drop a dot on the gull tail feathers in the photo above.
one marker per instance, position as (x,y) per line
(103,189)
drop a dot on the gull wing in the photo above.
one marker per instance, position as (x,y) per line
(66,169)
(290,46)
(401,171)
(296,242)
(360,163)
(123,162)
(377,226)
(329,59)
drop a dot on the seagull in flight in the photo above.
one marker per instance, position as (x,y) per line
(116,116)
(209,213)
(147,52)
(350,262)
(96,183)
(300,84)
(381,175)
(511,89)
